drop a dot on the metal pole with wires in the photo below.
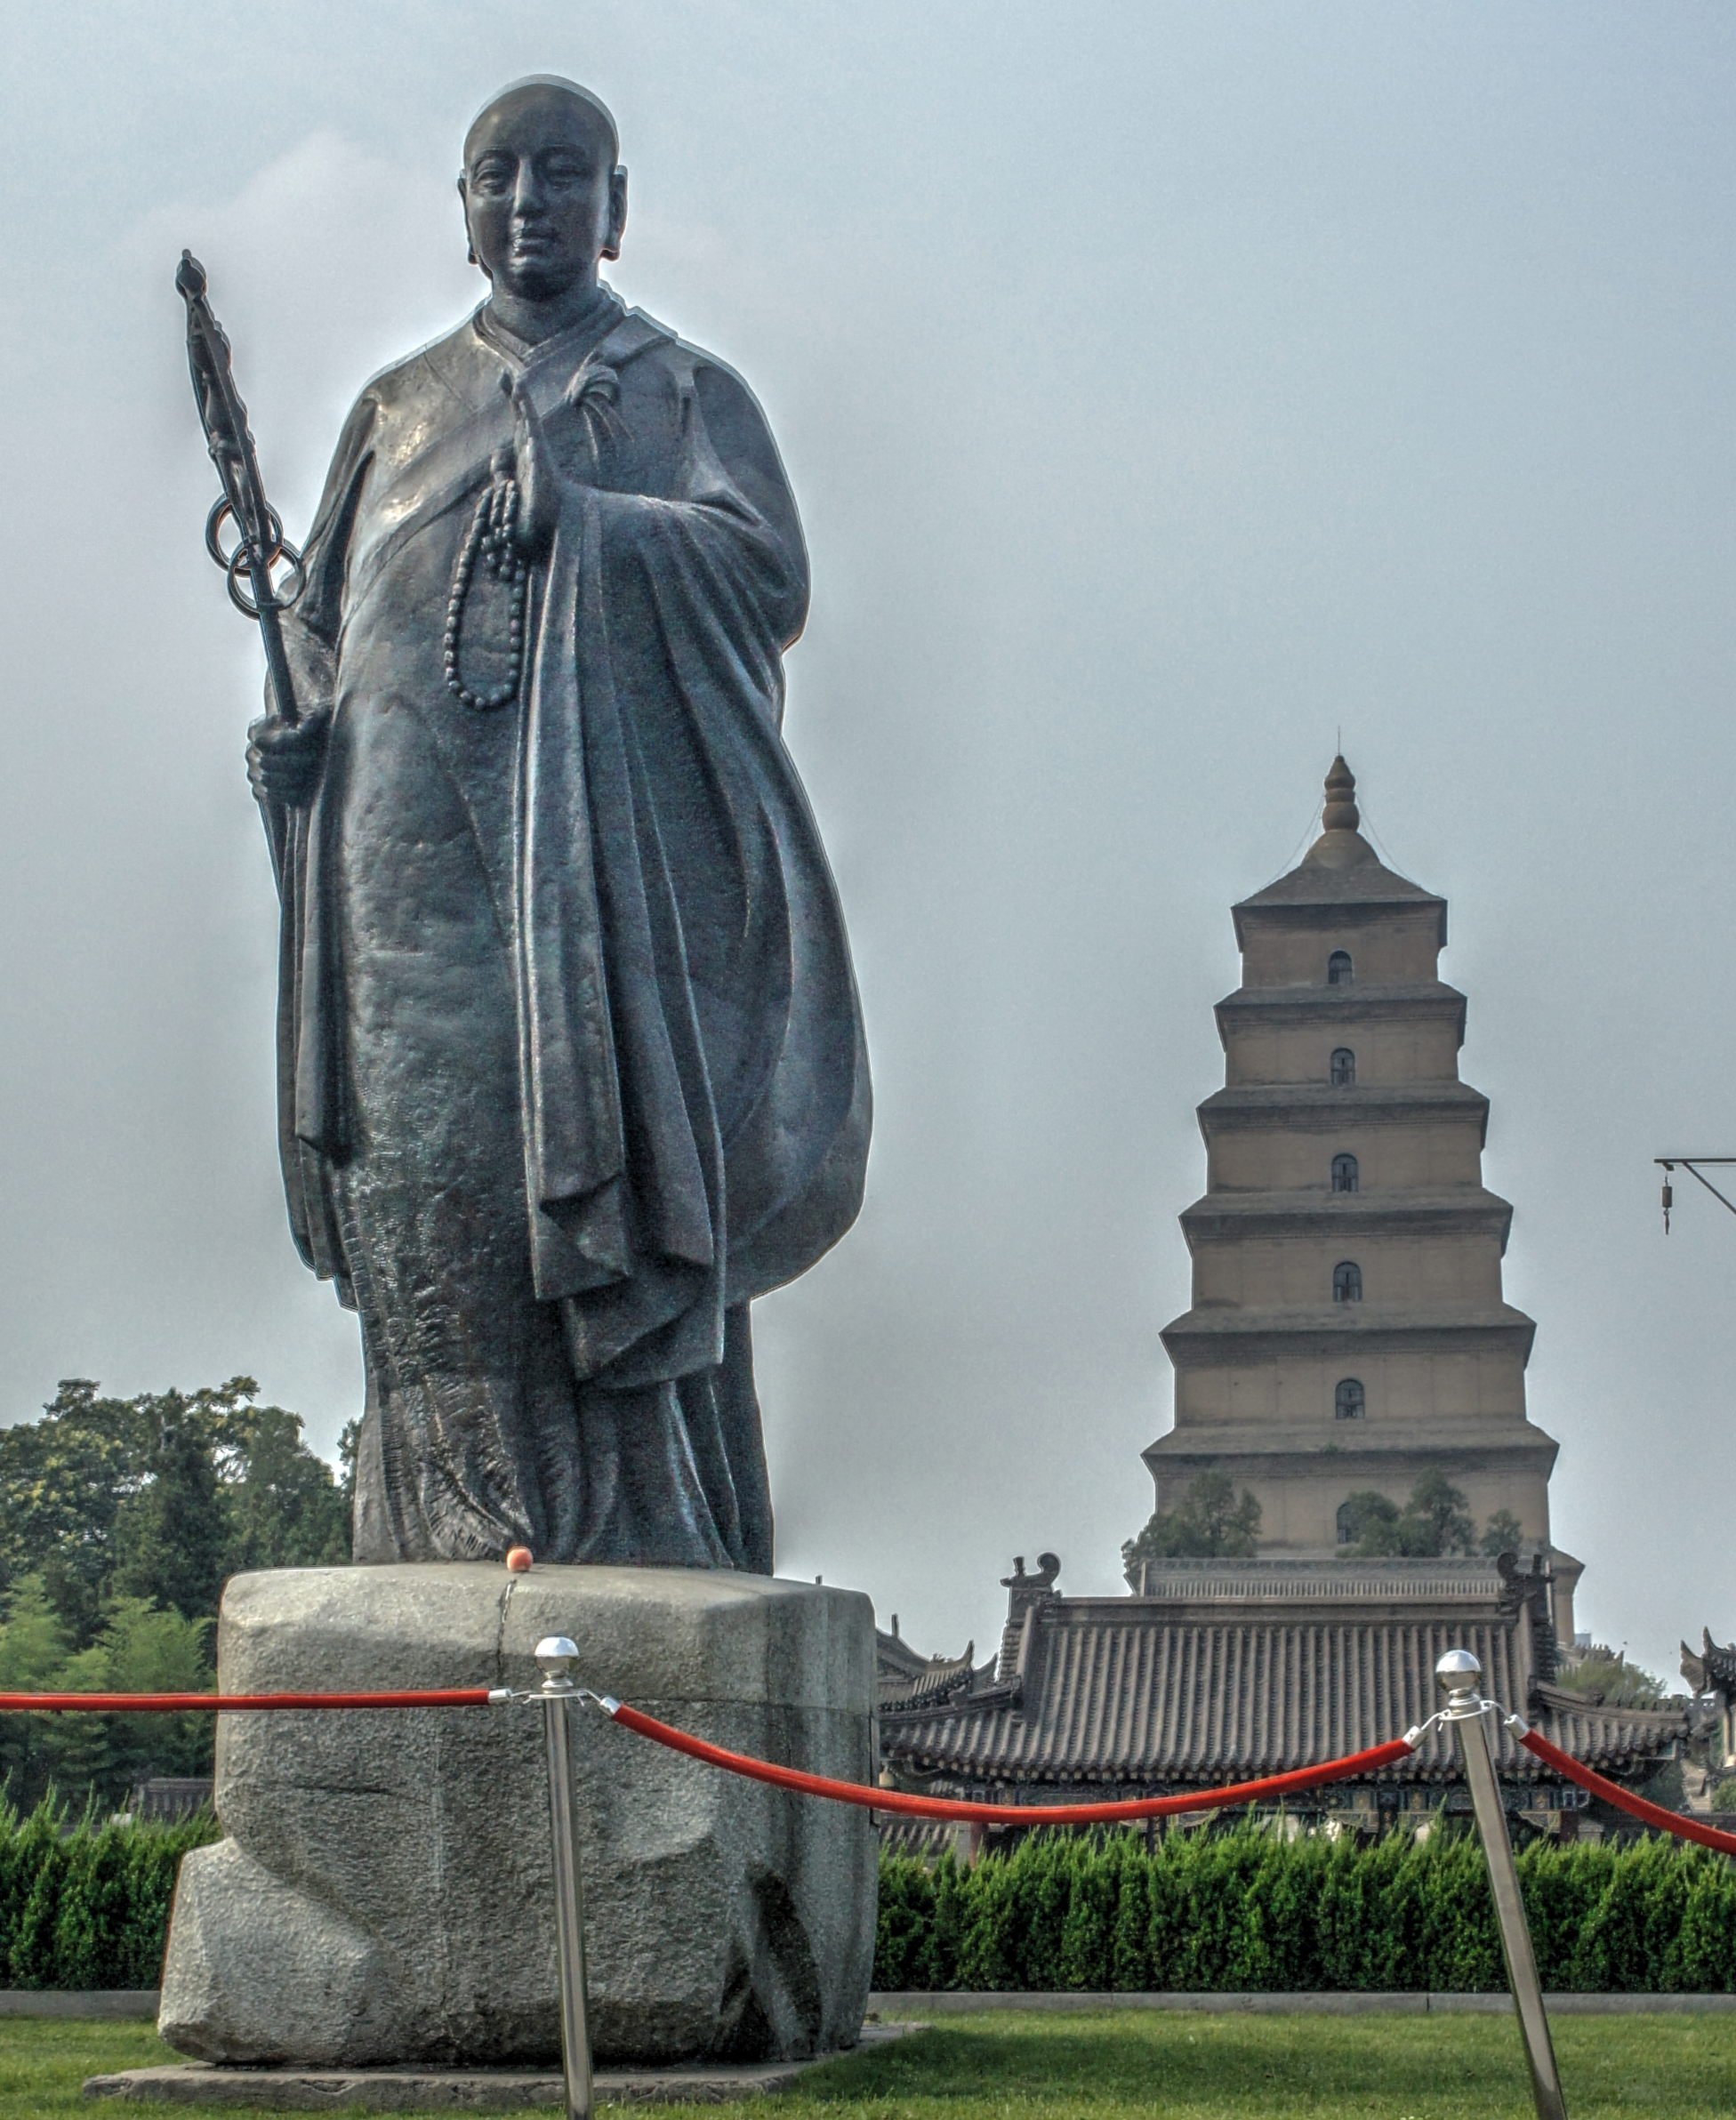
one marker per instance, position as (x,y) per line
(1456,1674)
(1690,1165)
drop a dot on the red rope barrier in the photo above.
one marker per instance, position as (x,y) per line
(878,1799)
(1001,1814)
(1611,1791)
(175,1704)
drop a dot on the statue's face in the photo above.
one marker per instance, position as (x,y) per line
(543,199)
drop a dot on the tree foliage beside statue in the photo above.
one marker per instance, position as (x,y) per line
(120,1520)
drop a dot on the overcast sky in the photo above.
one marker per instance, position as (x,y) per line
(1164,387)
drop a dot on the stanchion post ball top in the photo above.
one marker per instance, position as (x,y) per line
(556,1656)
(1457,1671)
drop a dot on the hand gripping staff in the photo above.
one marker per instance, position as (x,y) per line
(260,544)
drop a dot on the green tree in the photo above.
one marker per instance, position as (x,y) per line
(286,1508)
(34,1646)
(141,1648)
(173,1536)
(160,1497)
(119,1521)
(349,1440)
(1368,1524)
(1605,1675)
(1434,1521)
(1438,1508)
(63,1481)
(1502,1534)
(1208,1523)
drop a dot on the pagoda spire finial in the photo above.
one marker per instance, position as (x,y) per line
(1341,814)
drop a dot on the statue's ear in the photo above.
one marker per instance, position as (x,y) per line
(470,240)
(617,213)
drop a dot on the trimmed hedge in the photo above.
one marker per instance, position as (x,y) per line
(87,1906)
(1244,1909)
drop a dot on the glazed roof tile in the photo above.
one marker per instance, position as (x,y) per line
(1127,1691)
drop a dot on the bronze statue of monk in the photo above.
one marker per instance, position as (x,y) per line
(571,1060)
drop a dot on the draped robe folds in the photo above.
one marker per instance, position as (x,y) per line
(571,1062)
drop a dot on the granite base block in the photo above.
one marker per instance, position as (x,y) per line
(453,2090)
(383,1895)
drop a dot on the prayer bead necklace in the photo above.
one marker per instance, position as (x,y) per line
(491,539)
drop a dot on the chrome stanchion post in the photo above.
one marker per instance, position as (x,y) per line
(556,1657)
(1456,1674)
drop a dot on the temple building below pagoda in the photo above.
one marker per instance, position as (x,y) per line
(1222,1671)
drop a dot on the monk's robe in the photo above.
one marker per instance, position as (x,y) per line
(571,1061)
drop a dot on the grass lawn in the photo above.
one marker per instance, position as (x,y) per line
(1126,2063)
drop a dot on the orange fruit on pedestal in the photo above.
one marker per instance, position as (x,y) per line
(518,1560)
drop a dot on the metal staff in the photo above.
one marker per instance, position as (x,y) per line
(1456,1674)
(260,543)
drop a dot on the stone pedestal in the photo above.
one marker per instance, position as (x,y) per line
(384,1894)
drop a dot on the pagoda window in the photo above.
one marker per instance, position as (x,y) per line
(1345,1176)
(1346,1282)
(1346,1524)
(1339,970)
(1349,1402)
(1344,1068)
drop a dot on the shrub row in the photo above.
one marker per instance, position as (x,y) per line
(1245,1909)
(87,1906)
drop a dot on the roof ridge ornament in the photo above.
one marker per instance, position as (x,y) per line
(1341,814)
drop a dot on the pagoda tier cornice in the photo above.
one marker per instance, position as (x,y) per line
(1212,1336)
(1318,1108)
(1336,1446)
(1422,1000)
(1334,914)
(1454,1211)
(1323,914)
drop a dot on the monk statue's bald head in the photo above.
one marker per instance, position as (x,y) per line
(582,108)
(545,198)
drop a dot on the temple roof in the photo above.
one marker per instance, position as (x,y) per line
(1712,1672)
(904,1679)
(1238,1669)
(1340,869)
